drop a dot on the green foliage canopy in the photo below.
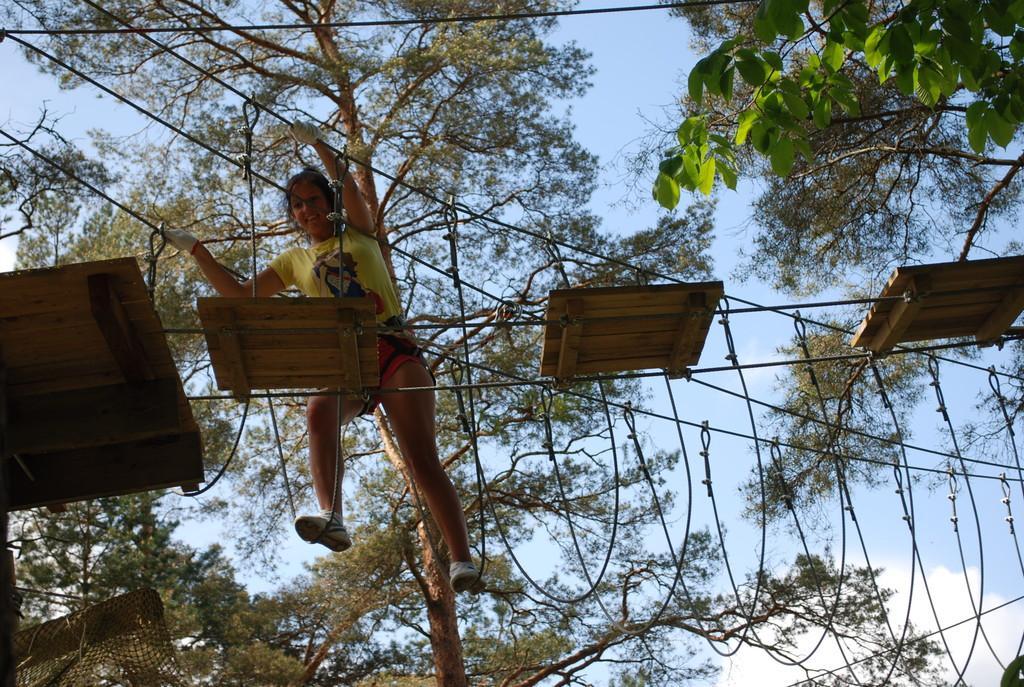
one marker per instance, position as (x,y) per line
(795,78)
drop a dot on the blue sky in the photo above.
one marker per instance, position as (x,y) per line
(640,59)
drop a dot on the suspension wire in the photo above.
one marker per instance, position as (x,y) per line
(80,180)
(338,217)
(549,446)
(906,497)
(960,458)
(473,215)
(370,23)
(522,381)
(993,382)
(142,110)
(913,640)
(469,422)
(933,370)
(833,443)
(422,192)
(245,162)
(231,455)
(733,359)
(775,454)
(909,516)
(281,459)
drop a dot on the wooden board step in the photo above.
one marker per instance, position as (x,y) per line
(619,329)
(979,298)
(91,403)
(291,343)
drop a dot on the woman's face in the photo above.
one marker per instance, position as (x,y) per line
(310,208)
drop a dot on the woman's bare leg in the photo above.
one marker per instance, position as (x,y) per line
(327,470)
(411,416)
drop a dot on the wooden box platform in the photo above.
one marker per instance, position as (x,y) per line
(91,403)
(979,298)
(291,343)
(616,329)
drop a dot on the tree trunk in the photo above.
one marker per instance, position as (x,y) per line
(440,599)
(444,624)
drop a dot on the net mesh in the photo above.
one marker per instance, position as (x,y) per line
(121,641)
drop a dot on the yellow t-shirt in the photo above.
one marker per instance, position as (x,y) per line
(356,270)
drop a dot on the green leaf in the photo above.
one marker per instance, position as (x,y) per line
(666,191)
(823,113)
(773,59)
(728,175)
(1017,46)
(691,169)
(671,166)
(905,80)
(780,12)
(685,132)
(764,27)
(804,148)
(754,71)
(885,68)
(1012,675)
(928,86)
(833,56)
(695,83)
(873,53)
(707,176)
(797,107)
(999,129)
(846,100)
(977,136)
(976,114)
(901,44)
(725,83)
(782,157)
(998,21)
(747,119)
(761,136)
(794,28)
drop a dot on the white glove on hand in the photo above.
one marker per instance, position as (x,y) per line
(182,240)
(305,132)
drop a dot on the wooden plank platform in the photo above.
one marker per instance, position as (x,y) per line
(86,375)
(618,329)
(979,298)
(291,343)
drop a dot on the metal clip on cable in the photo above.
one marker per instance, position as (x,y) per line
(151,258)
(451,217)
(705,441)
(338,216)
(953,489)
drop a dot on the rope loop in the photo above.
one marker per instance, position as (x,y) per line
(251,112)
(800,326)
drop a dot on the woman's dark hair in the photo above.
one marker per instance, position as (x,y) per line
(314,177)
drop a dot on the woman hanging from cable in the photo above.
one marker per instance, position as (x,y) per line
(352,265)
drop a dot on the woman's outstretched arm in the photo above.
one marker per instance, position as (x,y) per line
(222,281)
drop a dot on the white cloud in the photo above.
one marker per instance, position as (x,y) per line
(949,591)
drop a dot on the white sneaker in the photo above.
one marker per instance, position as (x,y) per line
(464,576)
(325,528)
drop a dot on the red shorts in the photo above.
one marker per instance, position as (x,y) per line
(392,353)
